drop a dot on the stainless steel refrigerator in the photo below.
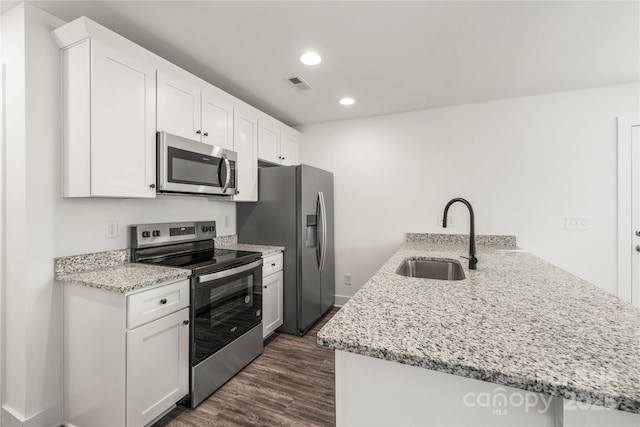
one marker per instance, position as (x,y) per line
(295,210)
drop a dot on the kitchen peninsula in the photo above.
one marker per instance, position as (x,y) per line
(517,342)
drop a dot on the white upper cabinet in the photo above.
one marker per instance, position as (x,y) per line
(178,106)
(116,95)
(277,143)
(288,147)
(108,123)
(217,118)
(245,142)
(269,140)
(195,110)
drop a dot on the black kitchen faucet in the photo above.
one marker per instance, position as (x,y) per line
(473,261)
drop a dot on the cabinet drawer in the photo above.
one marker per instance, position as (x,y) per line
(271,264)
(146,306)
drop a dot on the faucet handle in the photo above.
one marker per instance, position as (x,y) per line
(473,261)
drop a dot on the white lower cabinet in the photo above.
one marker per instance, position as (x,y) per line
(271,294)
(157,367)
(126,355)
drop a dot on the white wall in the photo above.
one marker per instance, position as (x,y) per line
(524,164)
(13,56)
(41,225)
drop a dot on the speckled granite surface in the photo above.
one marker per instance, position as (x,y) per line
(125,277)
(462,238)
(516,320)
(222,241)
(231,242)
(71,264)
(112,271)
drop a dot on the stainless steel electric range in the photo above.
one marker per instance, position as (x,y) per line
(226,298)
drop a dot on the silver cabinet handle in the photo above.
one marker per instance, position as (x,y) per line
(206,134)
(638,233)
(198,132)
(638,248)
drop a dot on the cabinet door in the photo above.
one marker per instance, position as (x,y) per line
(217,119)
(178,106)
(123,147)
(271,303)
(268,140)
(245,142)
(288,148)
(157,367)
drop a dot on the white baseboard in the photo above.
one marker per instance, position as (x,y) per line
(9,419)
(49,417)
(341,300)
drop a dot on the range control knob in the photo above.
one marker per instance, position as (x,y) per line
(156,233)
(205,228)
(146,234)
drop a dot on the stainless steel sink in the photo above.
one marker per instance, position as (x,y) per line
(425,268)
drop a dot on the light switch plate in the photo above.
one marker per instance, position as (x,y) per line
(451,220)
(111,229)
(580,223)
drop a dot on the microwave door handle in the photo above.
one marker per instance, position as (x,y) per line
(227,180)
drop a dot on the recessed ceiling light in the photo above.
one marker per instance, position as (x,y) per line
(310,58)
(347,101)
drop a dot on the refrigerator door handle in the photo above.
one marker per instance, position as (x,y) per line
(318,240)
(323,214)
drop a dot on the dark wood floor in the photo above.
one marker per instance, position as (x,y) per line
(290,384)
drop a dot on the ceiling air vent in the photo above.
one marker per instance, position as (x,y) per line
(299,83)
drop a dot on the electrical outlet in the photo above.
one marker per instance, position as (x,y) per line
(111,229)
(227,221)
(451,220)
(347,279)
(580,223)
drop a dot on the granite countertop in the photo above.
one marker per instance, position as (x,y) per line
(231,242)
(112,271)
(516,320)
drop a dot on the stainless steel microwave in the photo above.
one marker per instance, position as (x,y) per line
(191,167)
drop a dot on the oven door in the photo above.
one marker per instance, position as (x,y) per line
(186,166)
(225,305)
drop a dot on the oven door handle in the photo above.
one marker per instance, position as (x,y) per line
(226,273)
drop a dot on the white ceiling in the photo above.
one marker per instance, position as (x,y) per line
(391,56)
